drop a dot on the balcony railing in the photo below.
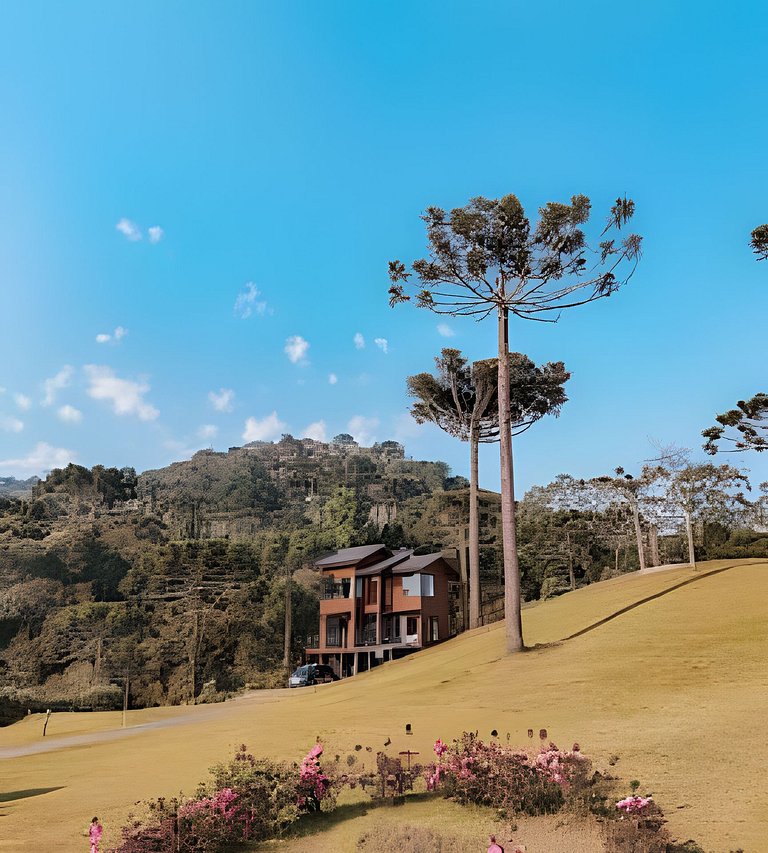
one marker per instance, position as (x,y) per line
(333,637)
(335,590)
(313,641)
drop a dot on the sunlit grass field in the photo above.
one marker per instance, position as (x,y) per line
(676,687)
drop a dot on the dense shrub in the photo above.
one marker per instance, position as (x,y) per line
(246,799)
(488,774)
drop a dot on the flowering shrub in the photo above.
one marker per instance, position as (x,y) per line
(247,799)
(314,785)
(472,771)
(634,804)
(639,829)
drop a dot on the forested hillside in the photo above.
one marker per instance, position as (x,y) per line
(175,580)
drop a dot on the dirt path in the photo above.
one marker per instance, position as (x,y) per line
(193,716)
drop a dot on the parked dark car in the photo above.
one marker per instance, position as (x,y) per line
(312,673)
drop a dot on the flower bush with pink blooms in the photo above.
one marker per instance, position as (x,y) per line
(314,785)
(472,771)
(634,804)
(247,799)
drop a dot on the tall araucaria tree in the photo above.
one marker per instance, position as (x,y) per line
(748,422)
(485,259)
(462,400)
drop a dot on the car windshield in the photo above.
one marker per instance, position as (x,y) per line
(302,672)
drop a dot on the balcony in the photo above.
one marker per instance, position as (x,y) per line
(335,590)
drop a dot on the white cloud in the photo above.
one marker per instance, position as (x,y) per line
(382,344)
(296,348)
(53,385)
(125,395)
(104,337)
(38,461)
(22,401)
(248,301)
(332,378)
(207,431)
(363,429)
(10,424)
(156,234)
(445,330)
(222,401)
(359,341)
(69,414)
(266,429)
(316,430)
(130,230)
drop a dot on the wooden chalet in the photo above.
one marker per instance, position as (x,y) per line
(377,605)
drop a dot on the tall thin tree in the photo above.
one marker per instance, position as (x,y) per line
(484,258)
(462,399)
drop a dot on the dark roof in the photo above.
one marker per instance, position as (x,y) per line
(389,563)
(417,564)
(350,556)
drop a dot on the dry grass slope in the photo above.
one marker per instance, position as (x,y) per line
(677,687)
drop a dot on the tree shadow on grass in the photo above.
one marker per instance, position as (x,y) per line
(10,796)
(312,824)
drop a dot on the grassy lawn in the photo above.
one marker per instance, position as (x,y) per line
(676,687)
(468,827)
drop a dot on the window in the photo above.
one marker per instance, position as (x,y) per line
(428,585)
(411,625)
(412,585)
(333,588)
(435,622)
(388,583)
(359,587)
(373,589)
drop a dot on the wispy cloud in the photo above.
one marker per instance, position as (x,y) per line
(22,401)
(222,401)
(125,395)
(382,344)
(359,341)
(264,429)
(130,230)
(39,460)
(445,330)
(69,414)
(363,429)
(54,384)
(296,349)
(11,424)
(248,302)
(316,430)
(105,337)
(207,431)
(332,378)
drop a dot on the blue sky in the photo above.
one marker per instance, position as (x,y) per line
(285,151)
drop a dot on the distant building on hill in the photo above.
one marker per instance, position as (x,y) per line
(377,605)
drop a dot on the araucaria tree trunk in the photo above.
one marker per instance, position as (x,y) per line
(638,534)
(689,533)
(474,528)
(512,598)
